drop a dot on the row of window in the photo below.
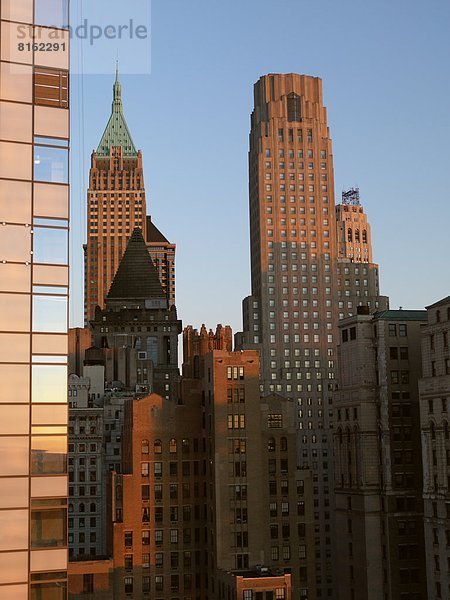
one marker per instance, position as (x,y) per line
(173,446)
(291,153)
(173,468)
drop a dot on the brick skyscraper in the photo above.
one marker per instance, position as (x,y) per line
(290,315)
(116,206)
(302,283)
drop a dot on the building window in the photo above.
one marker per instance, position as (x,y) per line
(51,164)
(293,108)
(274,420)
(52,13)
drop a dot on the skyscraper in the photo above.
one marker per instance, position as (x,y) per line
(378,474)
(116,206)
(305,277)
(291,316)
(434,390)
(34,213)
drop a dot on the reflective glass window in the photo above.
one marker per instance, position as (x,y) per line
(15,160)
(53,414)
(51,122)
(50,246)
(51,200)
(58,58)
(15,243)
(12,35)
(14,456)
(14,383)
(15,122)
(49,383)
(50,344)
(43,486)
(14,312)
(14,528)
(48,454)
(15,592)
(51,164)
(13,492)
(49,591)
(15,278)
(50,313)
(14,347)
(48,528)
(17,11)
(15,201)
(53,13)
(16,82)
(44,275)
(14,419)
(14,566)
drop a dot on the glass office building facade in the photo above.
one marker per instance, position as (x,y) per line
(34,279)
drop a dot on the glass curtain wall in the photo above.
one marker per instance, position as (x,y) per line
(34,228)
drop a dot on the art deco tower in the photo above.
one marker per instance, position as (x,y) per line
(305,277)
(290,316)
(116,206)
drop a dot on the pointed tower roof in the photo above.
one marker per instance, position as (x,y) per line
(117,132)
(136,277)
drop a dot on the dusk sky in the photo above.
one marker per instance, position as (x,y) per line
(386,84)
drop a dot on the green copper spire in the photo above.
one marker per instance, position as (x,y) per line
(117,132)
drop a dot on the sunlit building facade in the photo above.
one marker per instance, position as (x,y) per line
(34,217)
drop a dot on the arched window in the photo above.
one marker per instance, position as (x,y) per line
(271,445)
(157,447)
(283,444)
(81,507)
(349,235)
(93,507)
(357,235)
(314,438)
(145,447)
(173,446)
(364,237)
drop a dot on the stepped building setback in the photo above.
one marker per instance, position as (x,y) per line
(116,206)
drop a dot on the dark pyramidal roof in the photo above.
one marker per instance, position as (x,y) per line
(136,277)
(153,233)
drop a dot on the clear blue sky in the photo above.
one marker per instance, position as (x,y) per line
(385,72)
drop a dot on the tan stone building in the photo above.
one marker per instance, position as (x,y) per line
(435,425)
(378,476)
(353,235)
